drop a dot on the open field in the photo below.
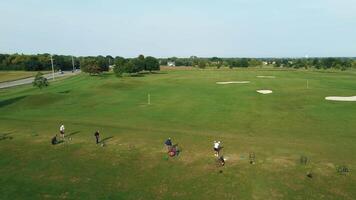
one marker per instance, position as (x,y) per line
(190,107)
(15,75)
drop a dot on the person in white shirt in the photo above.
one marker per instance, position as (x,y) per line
(217,148)
(61,130)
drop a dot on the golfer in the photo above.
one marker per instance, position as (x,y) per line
(168,143)
(61,131)
(54,140)
(96,134)
(217,148)
(222,160)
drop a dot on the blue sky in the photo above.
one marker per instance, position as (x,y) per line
(164,28)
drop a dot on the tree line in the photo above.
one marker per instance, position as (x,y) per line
(89,64)
(39,62)
(194,61)
(121,65)
(318,63)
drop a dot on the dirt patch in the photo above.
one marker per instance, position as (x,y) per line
(285,162)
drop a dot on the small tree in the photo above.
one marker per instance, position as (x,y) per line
(94,65)
(93,69)
(40,81)
(202,64)
(119,70)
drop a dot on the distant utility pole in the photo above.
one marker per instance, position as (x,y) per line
(52,67)
(149,99)
(73,63)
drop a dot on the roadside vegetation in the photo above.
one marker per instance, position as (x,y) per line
(296,63)
(97,64)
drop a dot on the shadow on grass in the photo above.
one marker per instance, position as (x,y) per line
(105,139)
(7,102)
(105,75)
(72,133)
(153,72)
(178,150)
(64,92)
(137,75)
(6,136)
(59,142)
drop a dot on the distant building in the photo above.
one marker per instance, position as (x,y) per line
(171,63)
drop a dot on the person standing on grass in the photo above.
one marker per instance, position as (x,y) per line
(96,134)
(61,131)
(217,148)
(221,160)
(168,144)
(54,140)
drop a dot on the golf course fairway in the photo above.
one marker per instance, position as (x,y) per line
(188,106)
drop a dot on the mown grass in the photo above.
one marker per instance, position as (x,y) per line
(189,107)
(15,75)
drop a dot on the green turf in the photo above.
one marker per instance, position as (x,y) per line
(188,106)
(15,75)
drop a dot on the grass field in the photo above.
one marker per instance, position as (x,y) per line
(191,108)
(15,75)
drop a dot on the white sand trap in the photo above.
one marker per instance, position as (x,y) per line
(265,76)
(353,98)
(232,82)
(264,91)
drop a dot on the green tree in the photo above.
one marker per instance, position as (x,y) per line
(132,66)
(202,64)
(119,61)
(119,69)
(327,62)
(316,63)
(40,81)
(163,62)
(354,64)
(94,69)
(151,64)
(94,65)
(140,63)
(254,63)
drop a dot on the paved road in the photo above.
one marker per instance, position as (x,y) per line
(30,80)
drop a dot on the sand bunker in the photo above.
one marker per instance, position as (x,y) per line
(264,91)
(232,82)
(265,76)
(352,98)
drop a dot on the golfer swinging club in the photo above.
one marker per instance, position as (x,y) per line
(61,131)
(96,134)
(217,148)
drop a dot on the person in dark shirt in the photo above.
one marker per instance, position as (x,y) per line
(221,160)
(96,134)
(54,140)
(168,143)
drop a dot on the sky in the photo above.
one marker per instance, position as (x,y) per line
(181,28)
